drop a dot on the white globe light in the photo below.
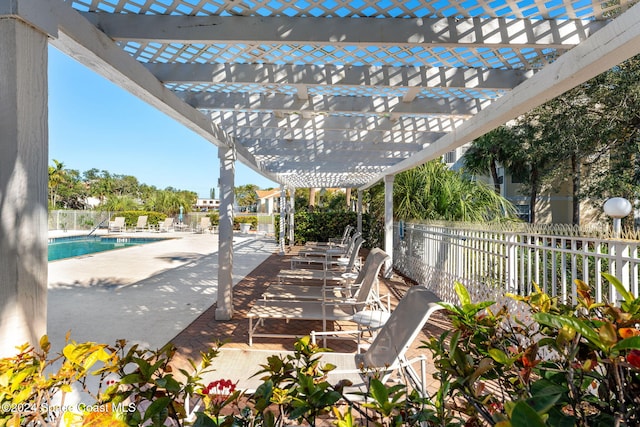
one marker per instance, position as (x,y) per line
(617,207)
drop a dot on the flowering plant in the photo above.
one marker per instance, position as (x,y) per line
(218,394)
(572,364)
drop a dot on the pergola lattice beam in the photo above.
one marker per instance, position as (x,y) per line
(275,147)
(292,122)
(333,104)
(327,167)
(617,42)
(343,31)
(327,180)
(376,140)
(82,41)
(385,76)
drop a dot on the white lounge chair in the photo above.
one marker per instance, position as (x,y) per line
(166,225)
(335,241)
(141,225)
(204,226)
(326,276)
(386,354)
(325,258)
(324,310)
(317,283)
(117,225)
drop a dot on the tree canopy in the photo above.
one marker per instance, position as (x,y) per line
(588,137)
(70,189)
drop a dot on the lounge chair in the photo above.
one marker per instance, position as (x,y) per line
(204,226)
(166,225)
(335,241)
(141,225)
(323,310)
(340,275)
(325,258)
(386,353)
(323,250)
(117,225)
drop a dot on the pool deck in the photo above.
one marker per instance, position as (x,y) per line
(146,294)
(166,292)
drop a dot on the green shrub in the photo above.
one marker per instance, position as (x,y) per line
(566,365)
(321,226)
(214,216)
(245,219)
(131,217)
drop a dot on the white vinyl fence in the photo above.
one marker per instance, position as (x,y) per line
(491,260)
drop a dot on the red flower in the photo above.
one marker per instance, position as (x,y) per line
(219,390)
(634,358)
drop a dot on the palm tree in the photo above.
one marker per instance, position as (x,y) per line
(57,175)
(120,203)
(431,191)
(486,152)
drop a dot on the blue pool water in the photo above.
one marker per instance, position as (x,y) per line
(69,247)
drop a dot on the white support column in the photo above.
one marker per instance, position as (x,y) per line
(224,308)
(23,184)
(388,222)
(292,211)
(283,213)
(359,209)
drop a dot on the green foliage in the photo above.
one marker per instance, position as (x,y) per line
(588,137)
(246,196)
(69,189)
(570,365)
(149,384)
(131,217)
(248,219)
(433,192)
(321,226)
(31,381)
(566,365)
(214,216)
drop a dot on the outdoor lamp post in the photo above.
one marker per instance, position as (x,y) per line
(617,208)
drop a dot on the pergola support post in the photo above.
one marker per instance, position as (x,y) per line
(388,222)
(291,212)
(283,213)
(359,209)
(23,184)
(224,308)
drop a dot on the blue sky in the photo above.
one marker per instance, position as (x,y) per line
(96,124)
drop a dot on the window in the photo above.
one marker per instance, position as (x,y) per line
(523,212)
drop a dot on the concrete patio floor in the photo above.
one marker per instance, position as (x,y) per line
(166,291)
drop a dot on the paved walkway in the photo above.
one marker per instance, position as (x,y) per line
(239,361)
(145,294)
(166,292)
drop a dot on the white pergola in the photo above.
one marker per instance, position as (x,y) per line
(309,93)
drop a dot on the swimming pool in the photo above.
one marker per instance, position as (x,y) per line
(69,247)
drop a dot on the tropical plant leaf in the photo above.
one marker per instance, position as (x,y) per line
(463,294)
(524,415)
(632,343)
(580,326)
(628,297)
(156,407)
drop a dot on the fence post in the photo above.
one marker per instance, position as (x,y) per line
(621,269)
(512,263)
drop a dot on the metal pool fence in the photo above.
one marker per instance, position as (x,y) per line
(492,260)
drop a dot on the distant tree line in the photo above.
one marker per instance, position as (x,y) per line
(70,189)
